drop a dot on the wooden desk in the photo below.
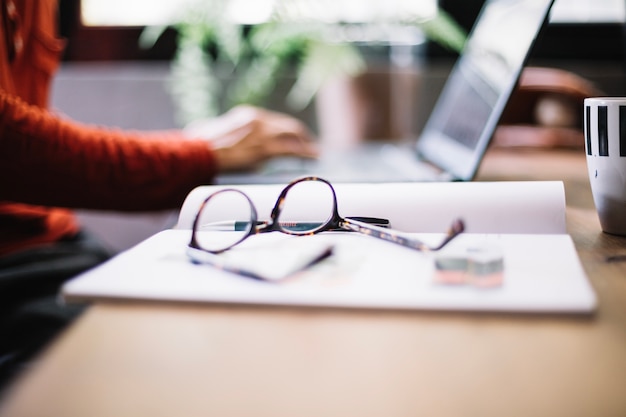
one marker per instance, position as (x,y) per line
(166,360)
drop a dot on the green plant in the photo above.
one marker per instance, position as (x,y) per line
(212,48)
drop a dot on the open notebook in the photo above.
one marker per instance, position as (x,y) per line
(522,223)
(461,124)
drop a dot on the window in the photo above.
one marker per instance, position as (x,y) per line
(98,31)
(148,12)
(136,12)
(588,11)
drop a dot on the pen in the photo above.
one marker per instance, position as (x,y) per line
(240,226)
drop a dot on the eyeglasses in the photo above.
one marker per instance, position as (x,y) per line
(228,217)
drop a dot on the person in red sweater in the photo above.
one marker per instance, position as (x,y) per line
(50,165)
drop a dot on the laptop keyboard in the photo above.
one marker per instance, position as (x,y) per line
(386,163)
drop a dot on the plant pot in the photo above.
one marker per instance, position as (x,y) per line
(378,105)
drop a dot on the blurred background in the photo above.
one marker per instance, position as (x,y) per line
(377,66)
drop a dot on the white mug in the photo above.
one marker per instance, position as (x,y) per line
(605,145)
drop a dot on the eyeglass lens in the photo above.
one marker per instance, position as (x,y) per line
(308,206)
(224,220)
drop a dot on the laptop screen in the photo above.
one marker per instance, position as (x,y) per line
(469,107)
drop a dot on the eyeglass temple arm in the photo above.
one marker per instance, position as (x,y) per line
(455,229)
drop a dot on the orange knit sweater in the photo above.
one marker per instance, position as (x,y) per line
(49,165)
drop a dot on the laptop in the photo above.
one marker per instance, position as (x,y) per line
(460,126)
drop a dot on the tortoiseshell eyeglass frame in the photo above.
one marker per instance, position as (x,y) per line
(364,225)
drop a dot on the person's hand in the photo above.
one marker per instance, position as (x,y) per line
(246,136)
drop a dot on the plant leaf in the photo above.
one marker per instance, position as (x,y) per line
(254,83)
(444,30)
(321,62)
(150,35)
(193,85)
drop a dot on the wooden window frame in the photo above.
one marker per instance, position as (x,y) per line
(107,43)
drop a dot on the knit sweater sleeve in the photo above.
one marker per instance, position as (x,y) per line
(47,160)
